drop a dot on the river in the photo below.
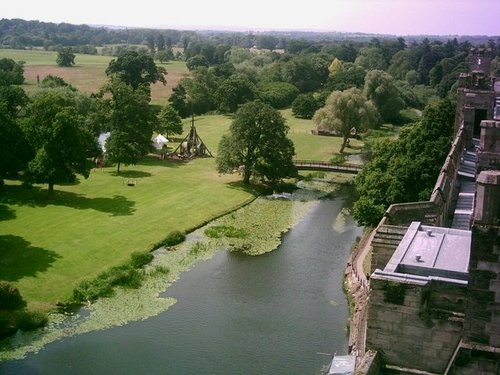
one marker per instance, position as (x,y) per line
(235,314)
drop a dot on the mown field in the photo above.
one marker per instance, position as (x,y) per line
(88,73)
(48,246)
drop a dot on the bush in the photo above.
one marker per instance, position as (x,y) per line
(173,238)
(304,106)
(89,291)
(10,298)
(277,94)
(140,259)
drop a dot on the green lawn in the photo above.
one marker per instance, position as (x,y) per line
(314,147)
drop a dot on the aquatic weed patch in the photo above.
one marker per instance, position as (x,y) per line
(219,231)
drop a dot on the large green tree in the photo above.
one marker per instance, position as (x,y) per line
(380,89)
(57,132)
(131,122)
(346,112)
(169,121)
(405,170)
(11,72)
(65,57)
(234,91)
(136,68)
(15,152)
(257,144)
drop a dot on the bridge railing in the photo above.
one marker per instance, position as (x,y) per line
(327,164)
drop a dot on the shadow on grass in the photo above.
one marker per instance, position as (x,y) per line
(19,259)
(169,162)
(6,213)
(131,174)
(117,205)
(255,190)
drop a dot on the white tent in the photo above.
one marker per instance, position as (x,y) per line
(159,141)
(103,137)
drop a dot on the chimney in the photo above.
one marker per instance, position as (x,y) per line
(487,210)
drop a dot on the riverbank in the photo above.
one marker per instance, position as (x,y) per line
(266,221)
(358,289)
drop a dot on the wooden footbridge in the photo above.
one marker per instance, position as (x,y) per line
(315,165)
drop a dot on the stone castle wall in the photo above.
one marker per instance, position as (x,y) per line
(422,333)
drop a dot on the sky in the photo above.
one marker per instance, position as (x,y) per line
(399,17)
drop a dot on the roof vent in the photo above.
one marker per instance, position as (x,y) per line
(418,258)
(429,232)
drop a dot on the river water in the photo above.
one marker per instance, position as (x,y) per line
(235,314)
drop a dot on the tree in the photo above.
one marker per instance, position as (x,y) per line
(164,55)
(371,58)
(304,106)
(51,81)
(380,89)
(160,42)
(14,150)
(257,142)
(345,112)
(335,67)
(56,131)
(131,123)
(178,100)
(277,94)
(201,88)
(136,68)
(14,98)
(65,57)
(405,170)
(196,61)
(11,72)
(351,75)
(169,121)
(233,92)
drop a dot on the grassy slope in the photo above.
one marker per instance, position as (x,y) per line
(88,73)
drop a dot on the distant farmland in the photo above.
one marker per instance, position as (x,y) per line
(88,73)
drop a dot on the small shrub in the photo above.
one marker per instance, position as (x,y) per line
(10,298)
(89,291)
(140,259)
(173,238)
(338,159)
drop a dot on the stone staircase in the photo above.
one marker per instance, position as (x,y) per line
(467,170)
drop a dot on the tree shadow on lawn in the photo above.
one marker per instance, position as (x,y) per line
(6,213)
(19,259)
(169,162)
(131,174)
(255,190)
(118,205)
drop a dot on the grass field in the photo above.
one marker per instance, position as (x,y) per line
(88,73)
